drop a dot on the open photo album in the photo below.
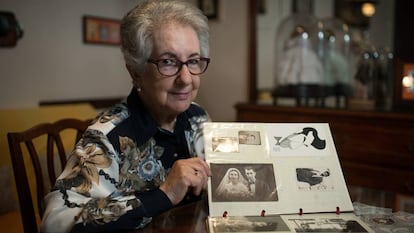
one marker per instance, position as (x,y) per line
(276,177)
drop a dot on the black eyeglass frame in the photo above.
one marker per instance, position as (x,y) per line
(180,65)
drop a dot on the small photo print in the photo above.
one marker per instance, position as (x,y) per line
(314,179)
(249,224)
(393,222)
(225,144)
(327,225)
(249,137)
(243,182)
(383,220)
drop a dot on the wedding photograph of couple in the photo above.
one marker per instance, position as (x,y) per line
(243,182)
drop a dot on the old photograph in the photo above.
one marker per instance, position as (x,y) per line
(249,137)
(314,179)
(225,144)
(249,224)
(243,182)
(326,225)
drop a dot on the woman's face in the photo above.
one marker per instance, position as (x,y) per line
(233,176)
(167,96)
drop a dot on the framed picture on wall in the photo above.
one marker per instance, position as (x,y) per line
(98,30)
(209,8)
(404,85)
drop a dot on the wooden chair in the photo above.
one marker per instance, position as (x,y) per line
(54,145)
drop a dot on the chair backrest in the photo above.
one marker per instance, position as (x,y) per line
(40,140)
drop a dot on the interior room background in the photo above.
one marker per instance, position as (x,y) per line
(51,62)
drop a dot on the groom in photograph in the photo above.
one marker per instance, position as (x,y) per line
(259,190)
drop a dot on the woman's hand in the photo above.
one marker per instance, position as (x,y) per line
(186,174)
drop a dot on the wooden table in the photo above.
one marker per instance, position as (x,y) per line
(189,218)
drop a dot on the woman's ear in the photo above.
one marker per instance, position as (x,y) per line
(131,71)
(134,76)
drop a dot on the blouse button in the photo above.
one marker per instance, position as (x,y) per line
(175,155)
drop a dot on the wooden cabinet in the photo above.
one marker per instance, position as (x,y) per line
(376,149)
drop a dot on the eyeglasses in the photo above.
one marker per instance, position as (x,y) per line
(171,66)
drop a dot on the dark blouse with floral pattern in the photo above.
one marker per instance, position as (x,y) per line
(112,178)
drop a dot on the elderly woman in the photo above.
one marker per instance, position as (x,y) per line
(144,156)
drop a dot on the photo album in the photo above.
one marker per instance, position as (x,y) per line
(276,177)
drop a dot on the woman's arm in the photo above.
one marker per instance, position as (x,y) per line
(87,196)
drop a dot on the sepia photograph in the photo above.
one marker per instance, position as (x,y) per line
(327,225)
(243,182)
(225,144)
(249,137)
(249,224)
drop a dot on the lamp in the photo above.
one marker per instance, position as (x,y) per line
(408,81)
(368,9)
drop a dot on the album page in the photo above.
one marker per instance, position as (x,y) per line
(272,169)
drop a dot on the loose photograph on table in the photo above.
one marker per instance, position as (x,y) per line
(248,224)
(310,224)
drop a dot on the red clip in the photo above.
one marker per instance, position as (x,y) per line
(338,211)
(300,211)
(224,214)
(263,213)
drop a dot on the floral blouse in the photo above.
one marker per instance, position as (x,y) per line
(112,177)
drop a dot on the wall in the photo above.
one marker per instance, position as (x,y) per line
(225,82)
(51,62)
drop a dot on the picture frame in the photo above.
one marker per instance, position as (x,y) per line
(209,8)
(10,29)
(261,6)
(100,30)
(404,85)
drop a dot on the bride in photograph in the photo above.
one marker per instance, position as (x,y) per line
(233,186)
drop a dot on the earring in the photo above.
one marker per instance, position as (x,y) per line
(138,89)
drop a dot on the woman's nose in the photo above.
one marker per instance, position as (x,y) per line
(185,76)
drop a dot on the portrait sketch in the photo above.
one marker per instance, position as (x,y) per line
(243,182)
